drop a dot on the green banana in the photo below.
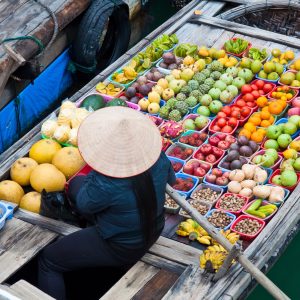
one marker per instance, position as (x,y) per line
(255,205)
(256,213)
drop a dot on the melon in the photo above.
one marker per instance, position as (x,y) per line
(44,150)
(68,160)
(93,101)
(21,170)
(31,201)
(48,177)
(11,191)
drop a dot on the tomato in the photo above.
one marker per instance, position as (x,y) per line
(255,94)
(248,97)
(245,111)
(221,114)
(260,84)
(235,108)
(254,87)
(236,114)
(226,110)
(232,122)
(261,92)
(267,88)
(240,103)
(250,104)
(216,128)
(221,122)
(246,88)
(227,129)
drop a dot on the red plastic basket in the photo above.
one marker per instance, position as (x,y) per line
(214,123)
(262,204)
(290,188)
(216,162)
(238,212)
(247,237)
(240,54)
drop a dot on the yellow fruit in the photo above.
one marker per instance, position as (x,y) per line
(297,65)
(73,136)
(49,127)
(154,97)
(203,52)
(48,177)
(276,52)
(143,104)
(290,153)
(167,94)
(31,201)
(68,160)
(163,83)
(289,55)
(65,116)
(158,89)
(153,108)
(44,150)
(188,60)
(11,191)
(295,145)
(21,169)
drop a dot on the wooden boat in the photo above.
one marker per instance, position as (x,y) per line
(170,270)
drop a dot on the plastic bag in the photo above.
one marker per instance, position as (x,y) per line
(49,126)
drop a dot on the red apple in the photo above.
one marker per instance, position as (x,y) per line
(200,156)
(224,145)
(229,138)
(217,172)
(199,172)
(217,152)
(210,178)
(205,166)
(226,174)
(195,164)
(203,136)
(211,159)
(214,140)
(188,168)
(222,180)
(206,149)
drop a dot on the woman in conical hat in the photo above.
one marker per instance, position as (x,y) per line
(125,193)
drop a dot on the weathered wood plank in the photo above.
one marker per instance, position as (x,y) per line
(192,284)
(247,30)
(157,287)
(6,293)
(131,282)
(22,249)
(175,251)
(29,292)
(163,263)
(8,7)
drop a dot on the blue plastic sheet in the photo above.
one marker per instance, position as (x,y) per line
(21,114)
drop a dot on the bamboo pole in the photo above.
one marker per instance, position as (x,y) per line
(260,277)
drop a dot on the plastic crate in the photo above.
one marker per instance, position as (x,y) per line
(227,213)
(215,188)
(175,159)
(288,101)
(185,176)
(285,120)
(238,212)
(220,165)
(224,187)
(276,164)
(262,204)
(286,195)
(246,53)
(290,188)
(6,212)
(181,146)
(216,162)
(214,122)
(239,55)
(193,117)
(194,112)
(187,216)
(243,236)
(113,96)
(293,87)
(162,70)
(240,96)
(199,161)
(189,132)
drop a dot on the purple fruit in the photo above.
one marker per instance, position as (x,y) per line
(243,160)
(234,146)
(144,89)
(168,58)
(135,85)
(232,155)
(242,140)
(236,164)
(154,70)
(163,65)
(142,80)
(149,76)
(226,165)
(172,66)
(151,84)
(130,92)
(157,76)
(246,151)
(253,146)
(134,100)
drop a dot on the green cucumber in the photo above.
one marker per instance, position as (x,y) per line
(255,205)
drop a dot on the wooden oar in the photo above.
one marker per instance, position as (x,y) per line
(260,277)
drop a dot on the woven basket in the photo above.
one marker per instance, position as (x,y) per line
(280,18)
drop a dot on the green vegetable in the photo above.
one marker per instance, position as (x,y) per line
(185,49)
(255,205)
(257,54)
(165,42)
(236,46)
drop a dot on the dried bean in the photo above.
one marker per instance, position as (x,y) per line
(201,208)
(207,195)
(232,203)
(170,202)
(248,226)
(219,219)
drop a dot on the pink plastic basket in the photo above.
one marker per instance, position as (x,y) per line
(214,123)
(277,162)
(239,54)
(262,204)
(238,212)
(290,188)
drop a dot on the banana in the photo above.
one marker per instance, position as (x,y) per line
(193,236)
(187,227)
(182,233)
(204,240)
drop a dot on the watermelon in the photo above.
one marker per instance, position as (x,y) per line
(94,102)
(116,102)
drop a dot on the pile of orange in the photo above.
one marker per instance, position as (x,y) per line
(253,133)
(283,93)
(274,107)
(261,119)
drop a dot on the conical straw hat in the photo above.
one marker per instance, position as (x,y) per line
(119,142)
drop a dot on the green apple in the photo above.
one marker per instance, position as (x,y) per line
(287,164)
(280,127)
(262,74)
(256,66)
(201,122)
(203,111)
(294,119)
(221,85)
(257,159)
(276,179)
(189,124)
(289,128)
(296,164)
(272,152)
(206,100)
(284,140)
(271,144)
(288,178)
(215,106)
(273,132)
(267,160)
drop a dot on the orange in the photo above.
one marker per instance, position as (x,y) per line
(261,101)
(275,108)
(250,127)
(282,103)
(283,98)
(255,120)
(262,131)
(265,123)
(245,133)
(272,119)
(266,108)
(265,115)
(289,96)
(257,137)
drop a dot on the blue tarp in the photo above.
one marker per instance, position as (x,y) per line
(20,115)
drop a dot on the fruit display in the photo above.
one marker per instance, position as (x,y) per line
(287,178)
(267,158)
(290,78)
(225,125)
(284,93)
(185,49)
(236,46)
(170,203)
(170,61)
(209,153)
(282,58)
(247,226)
(232,202)
(194,138)
(220,219)
(171,129)
(127,74)
(200,206)
(218,177)
(221,140)
(194,122)
(206,194)
(271,71)
(235,113)
(257,54)
(180,151)
(196,168)
(278,137)
(260,209)
(184,184)
(108,89)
